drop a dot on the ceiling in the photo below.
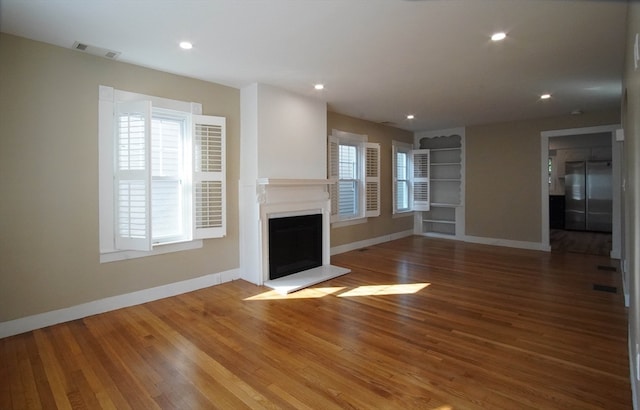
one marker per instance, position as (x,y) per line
(379,60)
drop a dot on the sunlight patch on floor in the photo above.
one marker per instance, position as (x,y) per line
(369,290)
(398,289)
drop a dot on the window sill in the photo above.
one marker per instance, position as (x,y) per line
(115,256)
(349,222)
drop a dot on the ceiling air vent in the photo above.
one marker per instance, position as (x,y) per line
(96,51)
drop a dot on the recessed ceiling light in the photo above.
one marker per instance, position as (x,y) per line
(499,36)
(319,86)
(410,116)
(185,45)
(545,96)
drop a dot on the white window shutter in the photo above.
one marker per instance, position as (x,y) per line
(372,179)
(209,179)
(132,176)
(420,163)
(333,167)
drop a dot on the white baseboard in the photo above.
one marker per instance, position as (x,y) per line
(536,246)
(634,376)
(622,265)
(26,324)
(369,242)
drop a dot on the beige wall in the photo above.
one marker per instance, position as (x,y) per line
(49,172)
(631,124)
(383,224)
(502,197)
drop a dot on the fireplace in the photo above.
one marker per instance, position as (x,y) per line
(295,244)
(279,202)
(283,173)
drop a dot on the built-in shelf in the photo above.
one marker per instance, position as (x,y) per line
(444,149)
(439,221)
(444,205)
(446,184)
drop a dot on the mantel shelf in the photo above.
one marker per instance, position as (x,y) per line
(294,181)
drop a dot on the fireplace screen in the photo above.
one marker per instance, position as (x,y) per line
(295,244)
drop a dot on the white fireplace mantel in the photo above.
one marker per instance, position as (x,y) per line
(281,197)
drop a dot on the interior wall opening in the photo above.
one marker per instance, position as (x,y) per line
(580,199)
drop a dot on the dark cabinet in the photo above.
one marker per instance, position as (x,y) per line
(556,211)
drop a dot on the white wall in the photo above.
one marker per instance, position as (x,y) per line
(292,134)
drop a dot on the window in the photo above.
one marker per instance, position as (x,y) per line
(162,173)
(410,178)
(348,177)
(402,188)
(354,164)
(168,138)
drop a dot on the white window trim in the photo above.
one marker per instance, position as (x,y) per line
(359,140)
(107,96)
(399,146)
(349,222)
(159,249)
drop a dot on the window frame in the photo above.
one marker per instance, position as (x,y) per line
(356,180)
(405,148)
(108,99)
(183,178)
(368,177)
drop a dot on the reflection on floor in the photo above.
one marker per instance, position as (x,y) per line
(593,243)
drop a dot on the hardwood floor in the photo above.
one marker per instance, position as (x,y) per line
(593,243)
(419,324)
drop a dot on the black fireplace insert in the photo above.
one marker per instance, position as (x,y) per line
(295,244)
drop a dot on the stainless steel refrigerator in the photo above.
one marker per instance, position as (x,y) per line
(588,196)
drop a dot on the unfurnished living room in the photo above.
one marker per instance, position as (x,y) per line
(299,204)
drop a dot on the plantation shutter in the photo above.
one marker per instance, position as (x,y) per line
(333,166)
(132,176)
(372,179)
(394,178)
(420,161)
(209,179)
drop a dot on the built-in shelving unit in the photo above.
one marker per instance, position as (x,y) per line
(446,215)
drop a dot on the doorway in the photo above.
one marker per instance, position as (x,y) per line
(570,223)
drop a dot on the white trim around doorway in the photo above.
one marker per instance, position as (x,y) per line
(616,163)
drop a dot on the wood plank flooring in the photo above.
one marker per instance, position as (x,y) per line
(420,323)
(593,243)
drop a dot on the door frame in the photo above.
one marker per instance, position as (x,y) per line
(616,160)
